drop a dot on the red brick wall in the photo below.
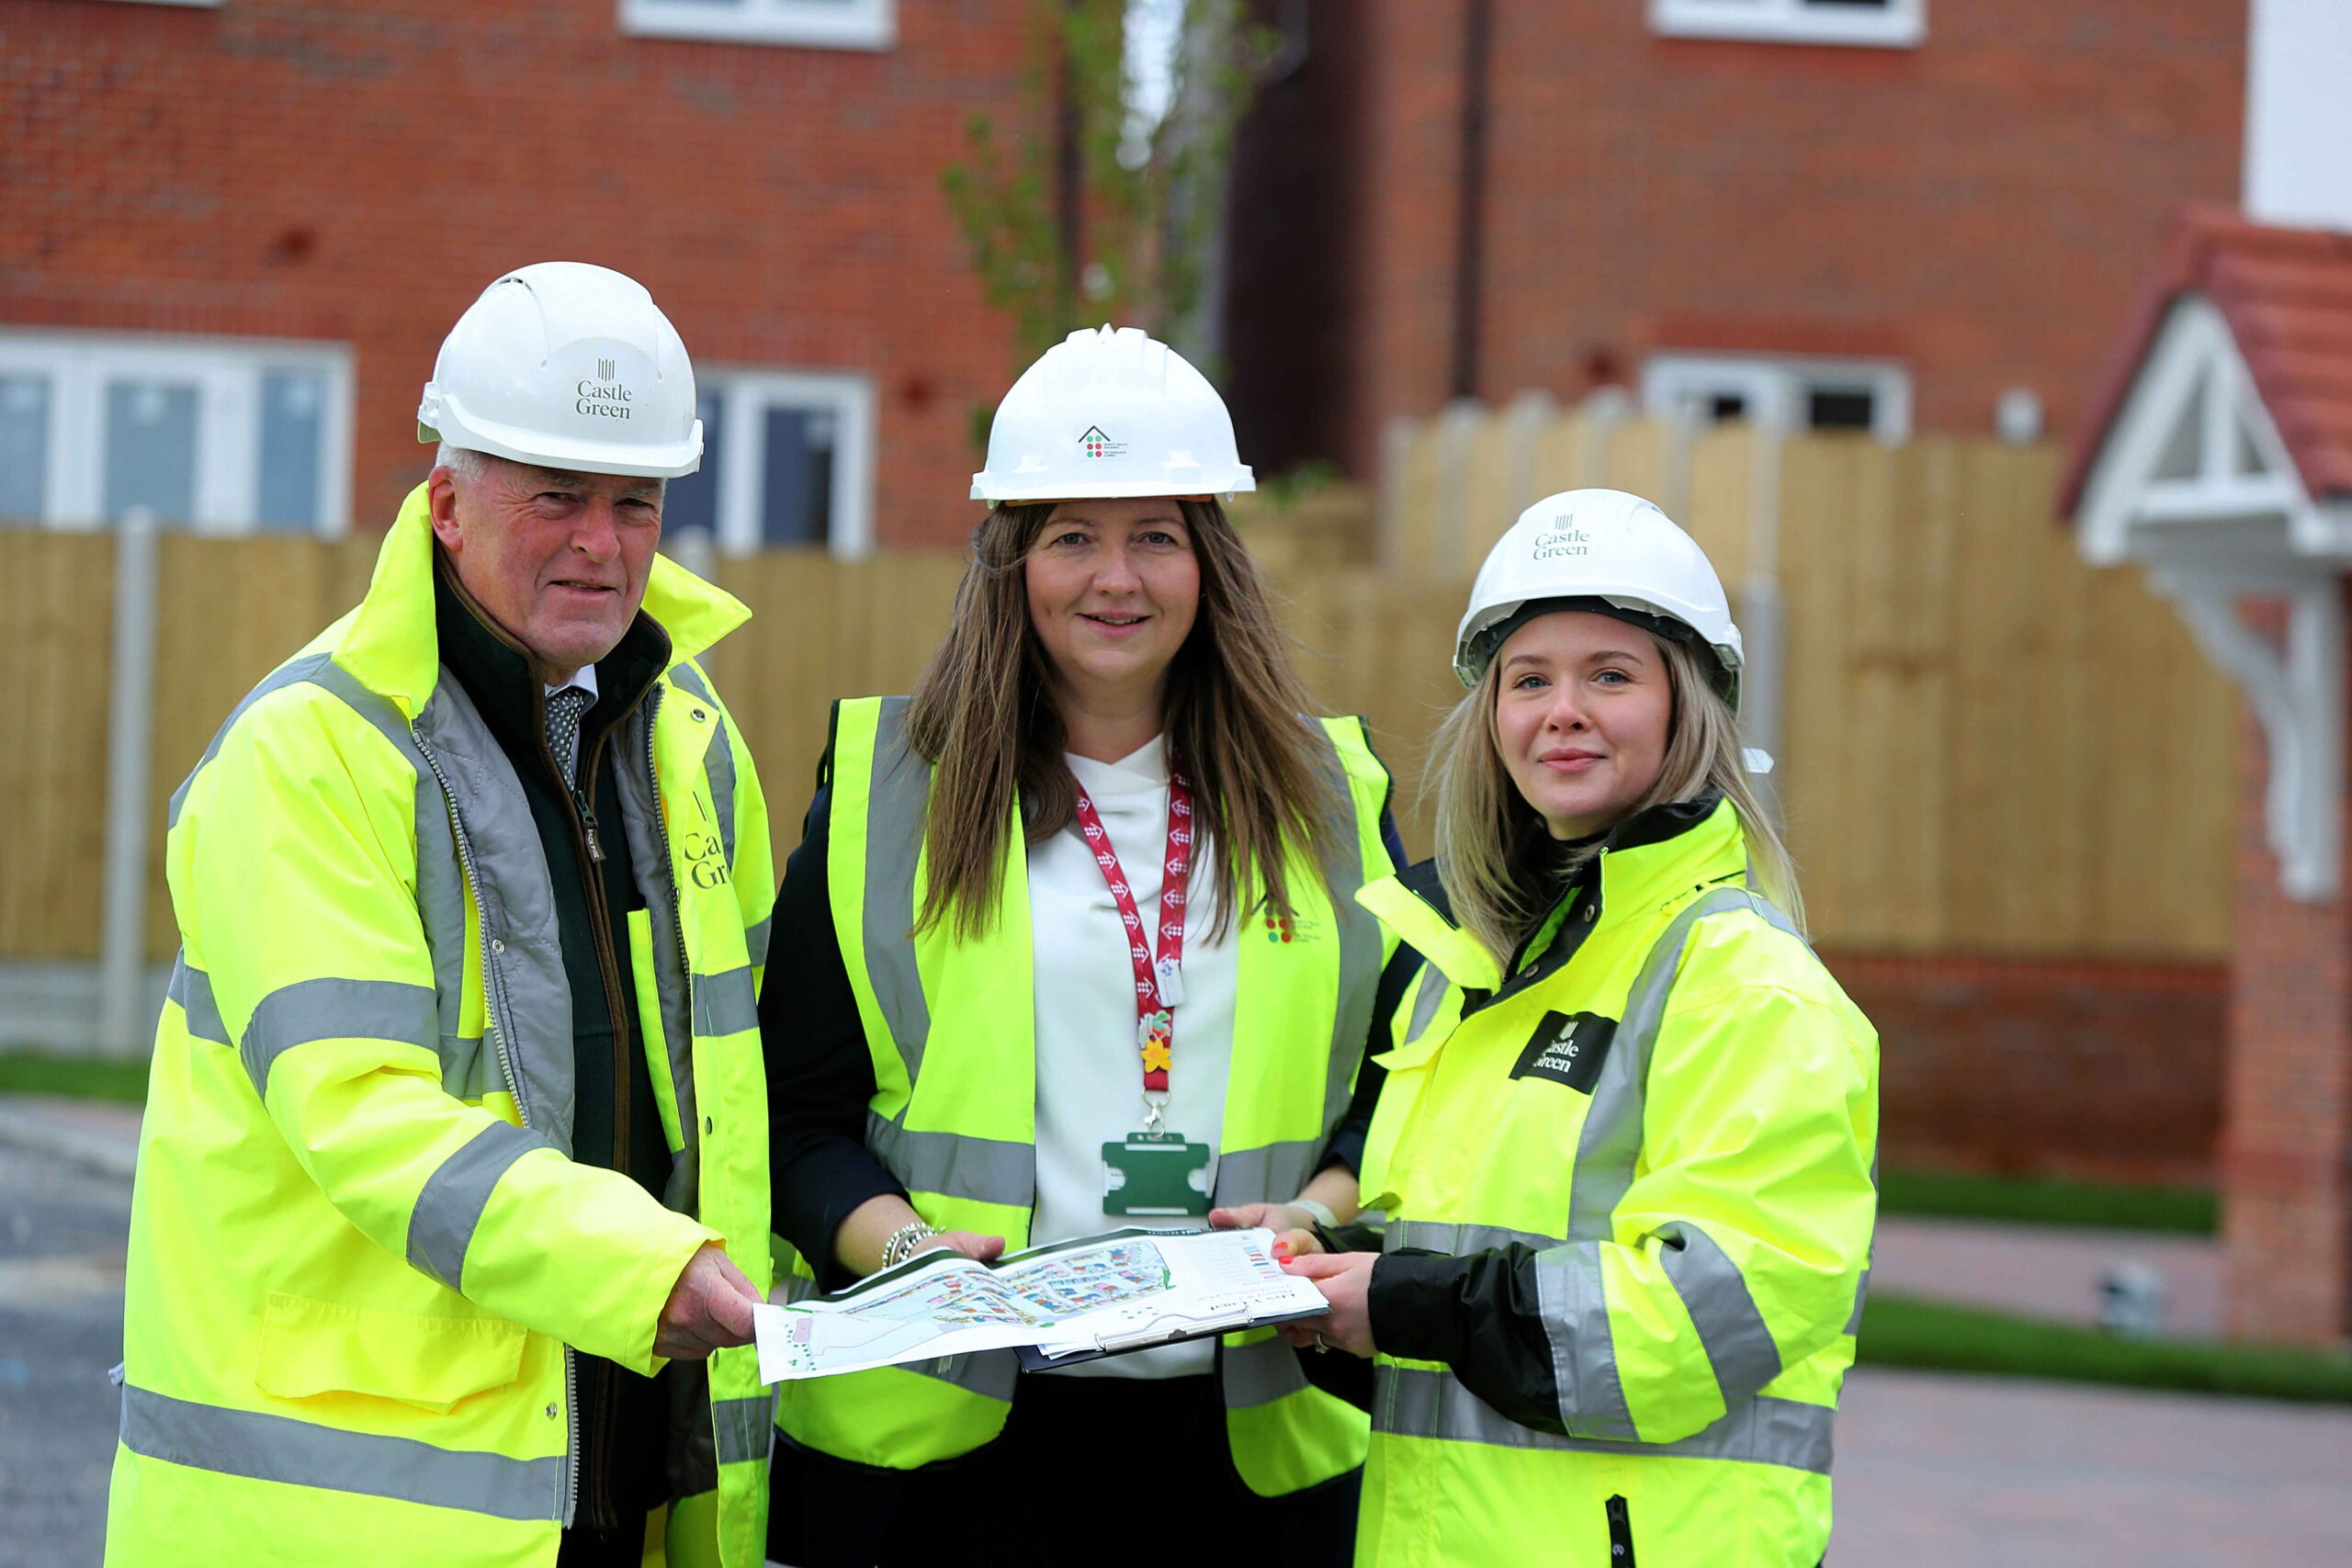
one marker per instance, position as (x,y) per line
(2100,1070)
(2287,1193)
(360,172)
(1982,208)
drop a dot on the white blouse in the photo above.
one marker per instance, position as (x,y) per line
(1090,1074)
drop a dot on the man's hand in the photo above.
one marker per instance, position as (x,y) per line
(1343,1278)
(709,1308)
(1293,1227)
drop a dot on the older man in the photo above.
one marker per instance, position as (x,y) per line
(452,1197)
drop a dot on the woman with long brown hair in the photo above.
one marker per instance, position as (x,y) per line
(1070,943)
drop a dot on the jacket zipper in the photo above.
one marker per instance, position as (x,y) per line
(583,806)
(670,864)
(494,991)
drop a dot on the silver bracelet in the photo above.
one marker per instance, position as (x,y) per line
(902,1242)
(1322,1212)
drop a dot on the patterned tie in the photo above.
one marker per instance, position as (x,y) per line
(564,709)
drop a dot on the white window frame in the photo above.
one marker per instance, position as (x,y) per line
(1775,386)
(858,24)
(744,397)
(227,373)
(1900,24)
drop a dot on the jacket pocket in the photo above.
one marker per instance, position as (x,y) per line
(310,1347)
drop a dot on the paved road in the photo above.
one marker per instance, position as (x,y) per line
(61,1231)
(1942,1472)
(1933,1471)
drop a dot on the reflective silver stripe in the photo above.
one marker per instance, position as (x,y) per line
(1738,1345)
(303,1453)
(192,989)
(1271,1173)
(988,1373)
(649,850)
(726,1003)
(756,941)
(743,1426)
(718,763)
(1584,1356)
(1360,950)
(441,1227)
(527,996)
(1410,1402)
(1428,996)
(1574,1308)
(1436,1236)
(896,802)
(310,1011)
(1258,1373)
(1861,1294)
(985,1170)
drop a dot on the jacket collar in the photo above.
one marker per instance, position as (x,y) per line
(392,647)
(1647,861)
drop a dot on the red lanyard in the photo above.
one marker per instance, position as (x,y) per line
(1156,979)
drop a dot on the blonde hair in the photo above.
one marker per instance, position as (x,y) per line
(983,714)
(1496,858)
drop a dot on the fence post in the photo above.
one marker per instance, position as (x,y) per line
(1529,412)
(1456,428)
(130,725)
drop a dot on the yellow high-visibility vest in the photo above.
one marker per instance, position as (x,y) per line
(949,1025)
(1699,1201)
(360,1258)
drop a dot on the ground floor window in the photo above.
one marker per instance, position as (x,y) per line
(788,460)
(222,435)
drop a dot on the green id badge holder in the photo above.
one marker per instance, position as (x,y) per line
(1155,1173)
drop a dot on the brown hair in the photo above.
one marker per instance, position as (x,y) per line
(1493,851)
(983,714)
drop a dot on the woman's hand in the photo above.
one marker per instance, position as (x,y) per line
(971,1244)
(1343,1278)
(1293,1227)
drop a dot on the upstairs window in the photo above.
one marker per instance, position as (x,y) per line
(225,435)
(788,460)
(1885,24)
(1786,393)
(815,24)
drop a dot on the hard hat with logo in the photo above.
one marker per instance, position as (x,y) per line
(567,366)
(1109,413)
(1602,550)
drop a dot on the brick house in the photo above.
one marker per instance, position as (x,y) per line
(2219,459)
(238,229)
(1883,214)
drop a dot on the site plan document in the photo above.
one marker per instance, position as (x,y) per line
(1070,1302)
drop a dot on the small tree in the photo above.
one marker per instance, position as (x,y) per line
(1115,216)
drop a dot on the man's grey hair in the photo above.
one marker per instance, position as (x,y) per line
(473,466)
(462,461)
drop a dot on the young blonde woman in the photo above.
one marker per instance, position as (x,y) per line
(1626,1140)
(1070,943)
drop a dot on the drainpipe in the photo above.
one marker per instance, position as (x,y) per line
(1469,259)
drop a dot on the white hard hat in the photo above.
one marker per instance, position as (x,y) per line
(1611,548)
(1107,413)
(568,366)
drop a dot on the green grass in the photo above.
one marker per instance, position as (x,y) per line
(1899,1331)
(80,1078)
(2042,1200)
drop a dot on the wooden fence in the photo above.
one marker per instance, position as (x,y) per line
(1985,747)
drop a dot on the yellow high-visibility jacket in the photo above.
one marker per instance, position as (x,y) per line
(1630,1197)
(948,1024)
(361,1258)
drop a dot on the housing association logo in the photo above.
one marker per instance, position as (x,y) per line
(1094,443)
(605,398)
